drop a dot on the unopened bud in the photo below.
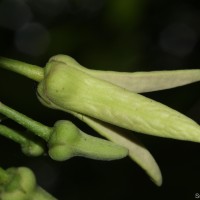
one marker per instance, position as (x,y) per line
(68,141)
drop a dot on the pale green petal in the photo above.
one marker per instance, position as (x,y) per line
(137,152)
(139,82)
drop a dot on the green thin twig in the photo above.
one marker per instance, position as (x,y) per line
(29,144)
(11,134)
(32,125)
(33,72)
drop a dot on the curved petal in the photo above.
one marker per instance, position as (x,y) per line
(137,151)
(141,82)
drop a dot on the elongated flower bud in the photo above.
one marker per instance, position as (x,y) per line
(67,88)
(67,141)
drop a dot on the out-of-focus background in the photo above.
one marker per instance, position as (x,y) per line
(130,35)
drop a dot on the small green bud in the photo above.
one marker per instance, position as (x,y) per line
(21,185)
(33,148)
(64,135)
(67,141)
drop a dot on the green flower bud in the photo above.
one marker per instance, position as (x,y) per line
(67,141)
(69,88)
(21,185)
(33,148)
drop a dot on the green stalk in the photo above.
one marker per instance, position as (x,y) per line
(30,145)
(33,72)
(32,125)
(11,134)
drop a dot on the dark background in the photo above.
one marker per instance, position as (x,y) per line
(129,35)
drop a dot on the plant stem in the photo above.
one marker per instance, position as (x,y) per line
(33,72)
(11,134)
(32,125)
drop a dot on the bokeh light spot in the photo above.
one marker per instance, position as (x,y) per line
(32,39)
(178,39)
(14,14)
